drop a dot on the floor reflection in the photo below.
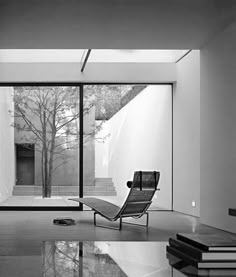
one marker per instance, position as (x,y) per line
(116,259)
(65,258)
(101,259)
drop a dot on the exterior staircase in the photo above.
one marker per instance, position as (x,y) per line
(102,187)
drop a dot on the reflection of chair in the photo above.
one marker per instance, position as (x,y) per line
(138,200)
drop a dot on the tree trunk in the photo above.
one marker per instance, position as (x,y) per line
(46,172)
(45,158)
(50,168)
(42,169)
(52,148)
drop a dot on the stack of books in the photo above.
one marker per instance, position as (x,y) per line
(203,254)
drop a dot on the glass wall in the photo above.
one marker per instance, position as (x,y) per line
(127,128)
(43,127)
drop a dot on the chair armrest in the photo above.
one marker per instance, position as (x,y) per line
(129,184)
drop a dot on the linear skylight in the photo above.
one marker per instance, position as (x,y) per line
(41,55)
(136,56)
(96,56)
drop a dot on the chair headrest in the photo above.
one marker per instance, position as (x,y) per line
(146,179)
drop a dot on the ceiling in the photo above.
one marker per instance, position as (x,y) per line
(112,24)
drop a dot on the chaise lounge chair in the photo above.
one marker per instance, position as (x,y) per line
(142,190)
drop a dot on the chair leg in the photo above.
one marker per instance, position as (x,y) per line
(105,226)
(120,223)
(144,225)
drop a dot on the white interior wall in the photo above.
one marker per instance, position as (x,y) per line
(94,72)
(7,151)
(140,139)
(218,130)
(186,135)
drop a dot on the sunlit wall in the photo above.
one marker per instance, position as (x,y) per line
(7,171)
(140,139)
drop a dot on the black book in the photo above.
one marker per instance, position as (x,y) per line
(210,242)
(189,270)
(200,264)
(200,254)
(64,221)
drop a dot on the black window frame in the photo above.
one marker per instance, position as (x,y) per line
(81,121)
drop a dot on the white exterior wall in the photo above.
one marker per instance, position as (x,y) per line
(140,139)
(102,152)
(7,151)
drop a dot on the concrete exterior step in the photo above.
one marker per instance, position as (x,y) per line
(103,180)
(63,188)
(88,193)
(104,193)
(107,182)
(91,193)
(103,186)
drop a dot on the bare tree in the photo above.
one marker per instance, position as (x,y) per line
(48,116)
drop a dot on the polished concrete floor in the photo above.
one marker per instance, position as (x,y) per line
(22,234)
(28,227)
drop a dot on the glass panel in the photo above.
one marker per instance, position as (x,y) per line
(127,128)
(96,56)
(43,128)
(41,55)
(135,56)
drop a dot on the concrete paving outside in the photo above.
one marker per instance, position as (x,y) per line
(58,201)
